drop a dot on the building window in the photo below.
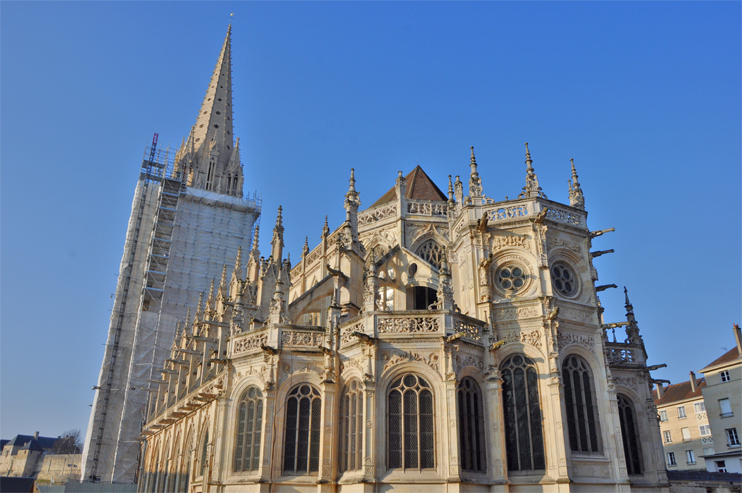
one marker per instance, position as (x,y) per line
(523,434)
(204,459)
(564,279)
(471,427)
(301,443)
(724,376)
(705,430)
(686,434)
(681,412)
(690,457)
(709,451)
(732,437)
(351,422)
(511,278)
(385,298)
(726,408)
(671,459)
(431,252)
(700,407)
(663,415)
(423,297)
(721,466)
(411,424)
(582,412)
(668,436)
(630,435)
(249,428)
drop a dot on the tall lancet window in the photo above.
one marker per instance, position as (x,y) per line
(523,429)
(249,427)
(229,184)
(351,421)
(471,427)
(210,174)
(301,441)
(582,410)
(411,421)
(431,252)
(630,435)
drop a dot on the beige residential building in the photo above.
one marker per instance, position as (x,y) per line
(684,425)
(723,396)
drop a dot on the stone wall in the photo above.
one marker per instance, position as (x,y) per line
(59,468)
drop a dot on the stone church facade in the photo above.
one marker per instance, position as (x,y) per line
(434,342)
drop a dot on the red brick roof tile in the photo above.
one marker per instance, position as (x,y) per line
(727,357)
(679,392)
(419,187)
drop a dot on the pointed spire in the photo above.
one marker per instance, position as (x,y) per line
(185,324)
(238,263)
(277,241)
(628,305)
(450,188)
(255,240)
(198,307)
(531,189)
(475,181)
(352,203)
(223,281)
(305,250)
(576,198)
(325,228)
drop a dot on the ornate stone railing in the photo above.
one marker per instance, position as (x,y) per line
(566,217)
(470,328)
(249,342)
(410,324)
(371,216)
(426,208)
(621,356)
(346,332)
(301,338)
(508,212)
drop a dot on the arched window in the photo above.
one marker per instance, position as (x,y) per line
(351,420)
(164,468)
(203,459)
(431,252)
(582,412)
(210,174)
(152,473)
(471,427)
(301,446)
(411,435)
(249,428)
(630,434)
(523,430)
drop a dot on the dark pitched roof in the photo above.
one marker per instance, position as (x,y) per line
(419,187)
(45,443)
(32,445)
(16,485)
(727,357)
(679,392)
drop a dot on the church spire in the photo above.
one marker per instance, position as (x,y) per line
(277,241)
(475,182)
(576,198)
(531,189)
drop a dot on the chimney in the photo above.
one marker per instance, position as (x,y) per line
(660,389)
(738,337)
(693,383)
(35,435)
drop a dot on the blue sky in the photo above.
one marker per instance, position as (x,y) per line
(644,96)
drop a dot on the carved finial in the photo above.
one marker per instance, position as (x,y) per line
(531,189)
(210,299)
(223,280)
(238,259)
(576,198)
(475,181)
(352,181)
(325,228)
(305,250)
(255,238)
(629,307)
(199,306)
(279,218)
(185,324)
(458,189)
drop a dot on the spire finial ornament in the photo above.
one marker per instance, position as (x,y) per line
(305,250)
(352,203)
(576,198)
(531,189)
(325,228)
(255,239)
(238,262)
(475,181)
(277,241)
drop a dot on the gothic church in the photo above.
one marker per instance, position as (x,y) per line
(433,342)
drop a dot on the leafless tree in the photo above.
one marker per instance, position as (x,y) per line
(69,443)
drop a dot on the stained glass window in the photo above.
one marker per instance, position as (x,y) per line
(249,429)
(471,427)
(582,411)
(630,435)
(351,416)
(301,441)
(411,421)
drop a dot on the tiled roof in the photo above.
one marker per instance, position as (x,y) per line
(46,443)
(679,392)
(727,357)
(419,187)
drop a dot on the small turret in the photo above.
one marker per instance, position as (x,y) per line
(576,198)
(531,189)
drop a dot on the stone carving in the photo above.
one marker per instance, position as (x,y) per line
(620,355)
(386,236)
(511,212)
(576,315)
(563,216)
(568,339)
(307,368)
(468,360)
(516,313)
(356,362)
(517,241)
(297,338)
(246,344)
(427,208)
(374,215)
(408,324)
(315,255)
(631,382)
(531,337)
(404,356)
(346,333)
(469,330)
(562,243)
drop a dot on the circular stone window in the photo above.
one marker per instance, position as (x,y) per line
(511,278)
(564,279)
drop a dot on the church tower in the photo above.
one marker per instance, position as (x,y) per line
(189,218)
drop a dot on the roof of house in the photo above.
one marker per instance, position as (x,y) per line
(419,187)
(727,357)
(17,485)
(32,445)
(45,443)
(679,392)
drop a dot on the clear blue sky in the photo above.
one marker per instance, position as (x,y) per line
(644,96)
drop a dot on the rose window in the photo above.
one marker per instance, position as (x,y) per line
(511,277)
(564,279)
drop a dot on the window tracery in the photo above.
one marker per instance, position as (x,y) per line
(471,427)
(301,442)
(411,424)
(582,412)
(629,434)
(351,419)
(431,252)
(249,428)
(520,399)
